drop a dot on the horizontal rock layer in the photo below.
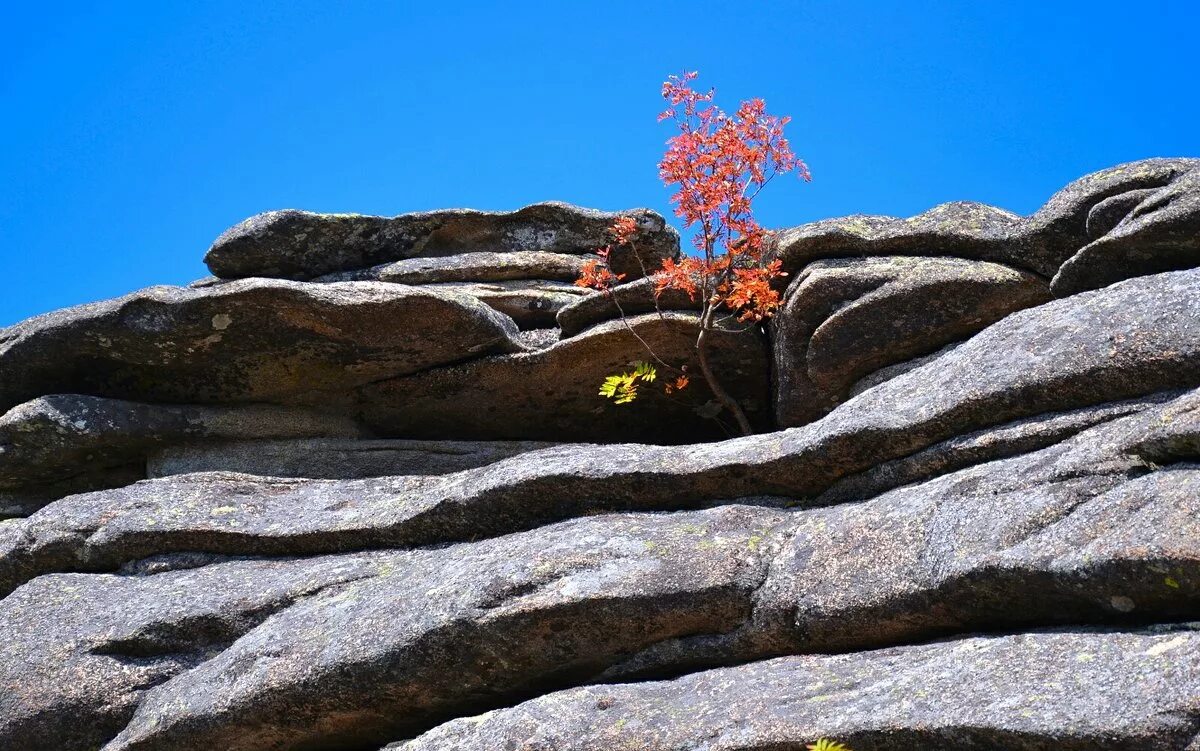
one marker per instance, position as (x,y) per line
(982,532)
(1077,691)
(303,245)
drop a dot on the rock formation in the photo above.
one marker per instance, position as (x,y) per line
(356,491)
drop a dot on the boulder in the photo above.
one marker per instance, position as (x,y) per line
(532,303)
(1155,230)
(629,299)
(255,340)
(202,651)
(436,632)
(843,319)
(479,266)
(1039,243)
(302,245)
(85,442)
(551,394)
(335,458)
(80,652)
(1077,690)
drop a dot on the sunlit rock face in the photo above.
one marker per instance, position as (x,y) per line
(358,491)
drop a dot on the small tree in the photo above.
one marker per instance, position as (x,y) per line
(718,164)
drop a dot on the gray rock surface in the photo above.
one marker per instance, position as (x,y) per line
(302,245)
(479,266)
(1076,691)
(551,394)
(987,461)
(1158,230)
(335,458)
(88,443)
(1136,338)
(253,340)
(478,624)
(1039,243)
(532,303)
(631,299)
(843,319)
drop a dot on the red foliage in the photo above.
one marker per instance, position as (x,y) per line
(719,164)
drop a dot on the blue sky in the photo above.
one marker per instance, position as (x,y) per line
(133,133)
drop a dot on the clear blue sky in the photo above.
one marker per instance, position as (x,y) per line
(133,133)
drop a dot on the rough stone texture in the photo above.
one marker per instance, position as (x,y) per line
(253,340)
(73,441)
(992,465)
(632,299)
(480,266)
(845,318)
(333,458)
(436,630)
(1139,337)
(1086,691)
(302,245)
(1158,230)
(532,303)
(1039,243)
(551,394)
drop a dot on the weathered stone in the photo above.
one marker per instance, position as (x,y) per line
(843,319)
(303,245)
(532,303)
(989,444)
(1101,525)
(630,299)
(480,266)
(551,394)
(1158,230)
(1069,691)
(333,458)
(1139,337)
(73,441)
(463,627)
(80,652)
(1039,243)
(253,340)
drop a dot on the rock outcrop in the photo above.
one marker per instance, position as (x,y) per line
(378,503)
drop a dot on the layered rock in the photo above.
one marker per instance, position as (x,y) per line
(846,318)
(56,445)
(1084,210)
(303,245)
(255,340)
(321,559)
(1036,691)
(551,394)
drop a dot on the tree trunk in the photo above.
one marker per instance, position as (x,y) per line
(710,378)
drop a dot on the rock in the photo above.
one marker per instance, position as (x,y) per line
(86,443)
(843,319)
(963,228)
(302,245)
(1135,338)
(1039,243)
(80,652)
(250,341)
(989,444)
(1158,230)
(532,303)
(1101,524)
(631,299)
(334,458)
(551,394)
(479,266)
(1066,690)
(442,630)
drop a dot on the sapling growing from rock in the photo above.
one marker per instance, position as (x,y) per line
(718,163)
